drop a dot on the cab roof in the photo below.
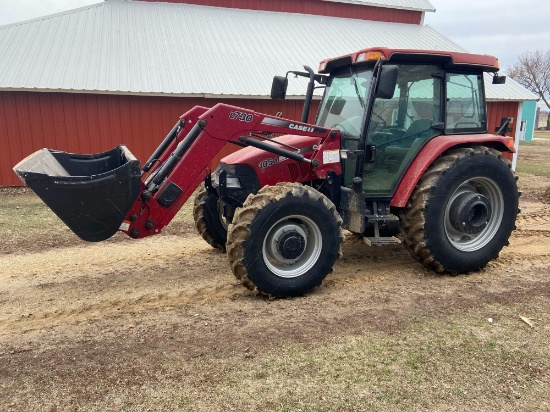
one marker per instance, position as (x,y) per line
(448,59)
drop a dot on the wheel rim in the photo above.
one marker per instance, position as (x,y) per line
(223,221)
(488,191)
(292,246)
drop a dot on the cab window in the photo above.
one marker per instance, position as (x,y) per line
(399,127)
(465,106)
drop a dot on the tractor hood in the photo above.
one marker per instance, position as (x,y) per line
(272,168)
(303,144)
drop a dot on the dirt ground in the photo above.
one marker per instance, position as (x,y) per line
(161,323)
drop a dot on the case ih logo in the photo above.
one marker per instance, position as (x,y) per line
(290,125)
(300,127)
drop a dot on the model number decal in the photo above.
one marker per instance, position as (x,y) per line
(241,116)
(271,162)
(331,156)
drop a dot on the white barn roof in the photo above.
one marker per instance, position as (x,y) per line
(172,49)
(511,90)
(420,5)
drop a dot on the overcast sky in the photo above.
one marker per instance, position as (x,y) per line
(504,28)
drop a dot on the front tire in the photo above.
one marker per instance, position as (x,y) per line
(210,224)
(462,211)
(284,240)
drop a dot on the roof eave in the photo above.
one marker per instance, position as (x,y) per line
(150,94)
(385,6)
(49,16)
(496,99)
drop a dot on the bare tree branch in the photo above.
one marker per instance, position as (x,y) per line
(532,71)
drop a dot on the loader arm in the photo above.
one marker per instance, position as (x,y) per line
(184,158)
(97,195)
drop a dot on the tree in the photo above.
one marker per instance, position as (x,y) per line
(532,71)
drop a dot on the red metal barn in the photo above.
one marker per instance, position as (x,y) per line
(122,72)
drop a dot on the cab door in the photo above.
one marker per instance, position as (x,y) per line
(399,127)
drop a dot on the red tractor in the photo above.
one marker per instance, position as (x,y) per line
(400,143)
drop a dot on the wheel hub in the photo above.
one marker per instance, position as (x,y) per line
(470,213)
(291,245)
(287,243)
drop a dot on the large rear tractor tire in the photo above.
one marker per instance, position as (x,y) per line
(284,240)
(462,211)
(210,224)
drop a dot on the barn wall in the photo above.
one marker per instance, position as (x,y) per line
(498,110)
(88,123)
(316,7)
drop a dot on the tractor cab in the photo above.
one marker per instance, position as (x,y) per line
(432,94)
(388,104)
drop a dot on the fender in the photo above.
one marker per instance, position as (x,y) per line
(433,149)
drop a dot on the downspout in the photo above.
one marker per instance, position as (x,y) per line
(517,136)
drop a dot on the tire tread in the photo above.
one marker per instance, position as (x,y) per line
(239,230)
(413,217)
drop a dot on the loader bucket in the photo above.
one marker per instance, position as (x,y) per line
(90,193)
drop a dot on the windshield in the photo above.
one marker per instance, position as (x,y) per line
(343,104)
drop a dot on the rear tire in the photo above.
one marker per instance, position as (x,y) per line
(462,211)
(284,240)
(209,222)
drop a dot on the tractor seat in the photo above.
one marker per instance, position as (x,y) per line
(417,130)
(396,151)
(419,126)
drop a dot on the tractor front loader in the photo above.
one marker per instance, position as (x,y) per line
(400,144)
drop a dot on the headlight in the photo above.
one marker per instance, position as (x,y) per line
(230,182)
(233,182)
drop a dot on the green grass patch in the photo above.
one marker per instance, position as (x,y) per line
(542,134)
(533,157)
(533,169)
(24,213)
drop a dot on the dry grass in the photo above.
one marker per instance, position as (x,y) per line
(22,211)
(460,362)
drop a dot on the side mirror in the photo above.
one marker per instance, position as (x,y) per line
(278,87)
(337,106)
(499,79)
(388,81)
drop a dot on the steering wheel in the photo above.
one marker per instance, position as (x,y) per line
(384,124)
(348,126)
(340,126)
